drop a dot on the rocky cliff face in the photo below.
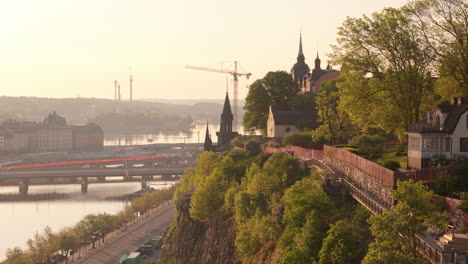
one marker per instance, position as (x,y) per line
(189,241)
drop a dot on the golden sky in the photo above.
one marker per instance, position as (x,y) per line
(59,48)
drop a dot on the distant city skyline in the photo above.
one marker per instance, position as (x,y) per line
(56,48)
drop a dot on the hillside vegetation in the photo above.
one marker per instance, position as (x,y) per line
(242,208)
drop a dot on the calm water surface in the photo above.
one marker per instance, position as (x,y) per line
(195,135)
(21,220)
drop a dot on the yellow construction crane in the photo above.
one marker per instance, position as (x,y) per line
(235,75)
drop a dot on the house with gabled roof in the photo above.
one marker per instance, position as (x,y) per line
(281,122)
(446,132)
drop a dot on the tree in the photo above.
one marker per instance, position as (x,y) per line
(464,202)
(392,61)
(369,145)
(335,123)
(276,89)
(396,230)
(302,139)
(338,247)
(17,256)
(443,25)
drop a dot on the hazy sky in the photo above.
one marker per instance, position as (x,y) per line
(59,48)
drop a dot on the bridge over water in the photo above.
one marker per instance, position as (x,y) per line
(370,184)
(128,169)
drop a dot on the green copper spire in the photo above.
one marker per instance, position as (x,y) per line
(300,46)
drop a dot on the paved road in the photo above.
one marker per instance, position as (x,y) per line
(131,239)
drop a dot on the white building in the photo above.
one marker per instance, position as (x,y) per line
(281,122)
(445,132)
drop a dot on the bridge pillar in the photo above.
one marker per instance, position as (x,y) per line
(23,187)
(84,185)
(144,184)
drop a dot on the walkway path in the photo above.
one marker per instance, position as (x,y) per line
(130,239)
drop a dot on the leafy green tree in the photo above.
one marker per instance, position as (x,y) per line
(17,256)
(335,123)
(385,53)
(208,197)
(396,230)
(302,139)
(339,246)
(371,145)
(276,89)
(443,25)
(464,202)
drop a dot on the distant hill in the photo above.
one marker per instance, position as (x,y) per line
(189,101)
(82,110)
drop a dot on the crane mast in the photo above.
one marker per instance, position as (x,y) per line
(235,74)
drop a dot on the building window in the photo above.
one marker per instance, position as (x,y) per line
(288,129)
(463,144)
(466,121)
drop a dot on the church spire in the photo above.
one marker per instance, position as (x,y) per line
(227,107)
(300,46)
(208,145)
(317,62)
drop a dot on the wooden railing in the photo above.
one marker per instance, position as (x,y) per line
(364,198)
(424,174)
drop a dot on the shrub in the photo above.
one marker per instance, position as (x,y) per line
(253,147)
(438,159)
(302,139)
(390,164)
(401,150)
(370,145)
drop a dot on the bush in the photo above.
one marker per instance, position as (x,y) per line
(390,164)
(438,159)
(401,150)
(253,147)
(302,139)
(369,145)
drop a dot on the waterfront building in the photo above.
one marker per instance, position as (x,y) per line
(87,137)
(53,134)
(445,131)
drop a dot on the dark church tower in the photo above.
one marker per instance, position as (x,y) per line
(225,134)
(300,70)
(208,145)
(317,63)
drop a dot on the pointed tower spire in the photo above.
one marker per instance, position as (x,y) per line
(225,133)
(300,46)
(317,62)
(226,108)
(208,145)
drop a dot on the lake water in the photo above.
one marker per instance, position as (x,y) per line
(21,220)
(195,135)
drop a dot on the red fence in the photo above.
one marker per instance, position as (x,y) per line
(385,175)
(424,174)
(300,152)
